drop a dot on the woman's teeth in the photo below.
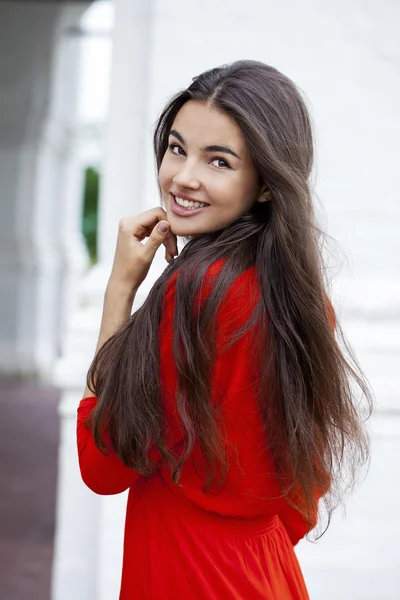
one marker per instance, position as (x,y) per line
(189,204)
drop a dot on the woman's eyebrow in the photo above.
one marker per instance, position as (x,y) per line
(216,148)
(212,148)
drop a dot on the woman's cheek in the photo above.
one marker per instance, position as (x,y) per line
(165,173)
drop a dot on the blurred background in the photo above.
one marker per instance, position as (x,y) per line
(81,86)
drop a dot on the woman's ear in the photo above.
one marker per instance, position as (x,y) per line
(264,194)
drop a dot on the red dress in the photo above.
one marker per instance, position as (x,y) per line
(180,542)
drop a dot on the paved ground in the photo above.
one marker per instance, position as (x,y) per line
(29,428)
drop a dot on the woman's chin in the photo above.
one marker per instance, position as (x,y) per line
(183,232)
(180,229)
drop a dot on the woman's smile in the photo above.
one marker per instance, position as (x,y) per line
(183,207)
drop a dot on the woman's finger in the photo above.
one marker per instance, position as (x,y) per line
(171,244)
(156,238)
(147,220)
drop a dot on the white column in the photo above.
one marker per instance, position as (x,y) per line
(29,261)
(122,193)
(75,544)
(34,152)
(65,95)
(123,173)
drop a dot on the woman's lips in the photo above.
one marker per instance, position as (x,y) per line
(181,211)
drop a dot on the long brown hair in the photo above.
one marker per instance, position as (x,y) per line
(306,380)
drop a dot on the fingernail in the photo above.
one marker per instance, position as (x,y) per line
(163,227)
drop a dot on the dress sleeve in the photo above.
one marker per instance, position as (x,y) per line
(104,474)
(295,524)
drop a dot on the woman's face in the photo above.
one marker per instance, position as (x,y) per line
(206,162)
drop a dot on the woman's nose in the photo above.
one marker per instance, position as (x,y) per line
(186,177)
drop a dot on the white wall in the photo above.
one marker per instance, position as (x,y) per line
(343,59)
(345,56)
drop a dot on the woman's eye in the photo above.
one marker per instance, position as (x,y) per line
(175,149)
(221,160)
(179,151)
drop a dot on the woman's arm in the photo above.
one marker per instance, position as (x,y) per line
(295,524)
(117,308)
(104,473)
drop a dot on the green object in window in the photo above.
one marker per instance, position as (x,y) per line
(90,211)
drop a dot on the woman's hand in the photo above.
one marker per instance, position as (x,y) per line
(133,258)
(132,262)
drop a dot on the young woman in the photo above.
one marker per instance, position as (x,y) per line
(224,404)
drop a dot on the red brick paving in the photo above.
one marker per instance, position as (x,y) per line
(29,433)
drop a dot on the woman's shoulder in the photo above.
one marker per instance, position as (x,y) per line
(245,283)
(232,309)
(243,286)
